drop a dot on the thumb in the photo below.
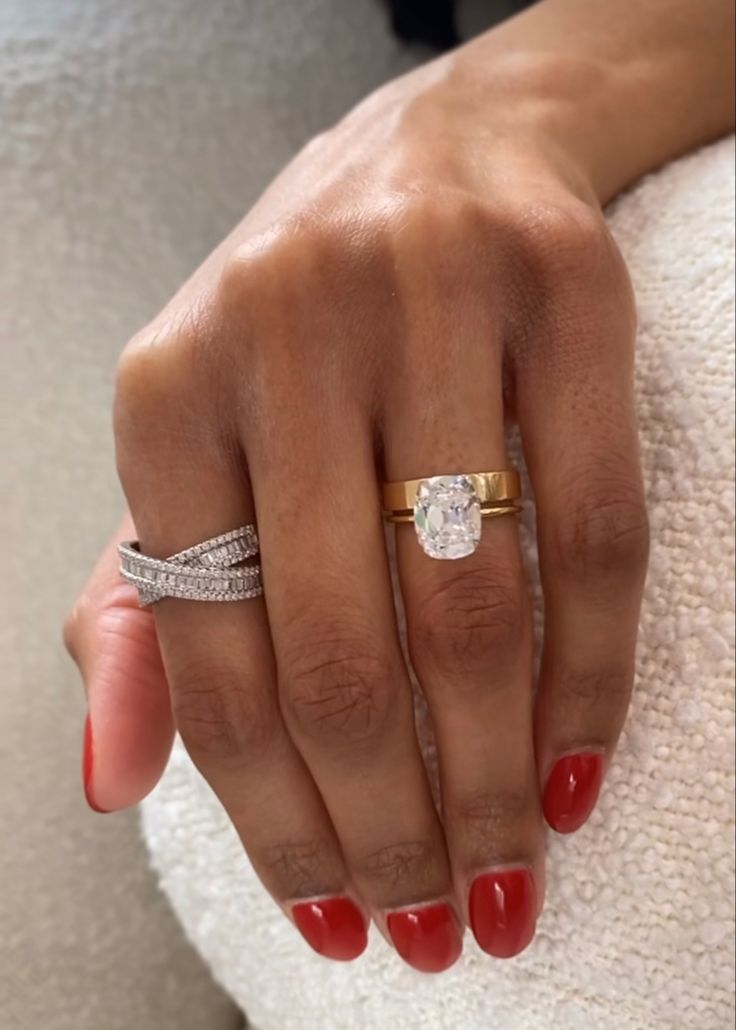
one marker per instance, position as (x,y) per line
(129,729)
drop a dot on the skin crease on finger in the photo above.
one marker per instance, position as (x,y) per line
(288,349)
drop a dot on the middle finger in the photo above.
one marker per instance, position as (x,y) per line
(343,685)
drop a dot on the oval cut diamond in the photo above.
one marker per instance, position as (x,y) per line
(447,516)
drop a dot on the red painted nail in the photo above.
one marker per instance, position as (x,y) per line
(503,911)
(87,762)
(572,790)
(334,927)
(428,938)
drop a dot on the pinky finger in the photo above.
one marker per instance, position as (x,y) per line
(129,729)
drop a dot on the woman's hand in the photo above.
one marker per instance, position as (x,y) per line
(434,266)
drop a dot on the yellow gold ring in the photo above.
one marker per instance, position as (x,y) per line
(447,510)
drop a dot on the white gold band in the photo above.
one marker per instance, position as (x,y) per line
(209,571)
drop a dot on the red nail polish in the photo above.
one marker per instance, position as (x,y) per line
(572,790)
(428,938)
(334,927)
(503,911)
(87,761)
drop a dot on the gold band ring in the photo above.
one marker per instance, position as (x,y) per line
(489,487)
(485,513)
(447,510)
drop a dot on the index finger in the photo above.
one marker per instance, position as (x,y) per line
(129,728)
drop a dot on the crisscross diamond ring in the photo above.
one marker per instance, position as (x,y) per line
(210,571)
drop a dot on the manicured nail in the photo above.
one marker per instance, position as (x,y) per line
(503,911)
(334,927)
(572,790)
(87,768)
(428,938)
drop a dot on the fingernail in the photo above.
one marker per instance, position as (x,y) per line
(334,927)
(87,768)
(572,790)
(428,938)
(503,911)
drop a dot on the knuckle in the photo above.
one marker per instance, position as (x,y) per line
(338,690)
(493,822)
(169,379)
(243,276)
(407,865)
(564,251)
(567,240)
(148,383)
(220,715)
(170,352)
(472,616)
(281,288)
(584,694)
(606,533)
(458,229)
(148,361)
(296,868)
(255,267)
(444,211)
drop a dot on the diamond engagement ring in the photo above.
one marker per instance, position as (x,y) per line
(210,571)
(447,510)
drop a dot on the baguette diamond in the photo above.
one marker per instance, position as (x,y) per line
(210,571)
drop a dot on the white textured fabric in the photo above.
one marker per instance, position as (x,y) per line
(638,928)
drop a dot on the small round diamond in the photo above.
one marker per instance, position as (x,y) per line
(447,516)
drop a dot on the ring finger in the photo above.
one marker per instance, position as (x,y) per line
(470,640)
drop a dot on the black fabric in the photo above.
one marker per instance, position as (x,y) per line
(425,21)
(433,21)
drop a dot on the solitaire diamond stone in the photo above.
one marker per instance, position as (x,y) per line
(447,516)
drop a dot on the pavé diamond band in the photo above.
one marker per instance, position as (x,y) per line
(447,510)
(210,571)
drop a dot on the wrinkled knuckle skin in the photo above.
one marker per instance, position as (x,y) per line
(586,695)
(400,869)
(604,534)
(296,868)
(220,715)
(337,694)
(472,618)
(493,825)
